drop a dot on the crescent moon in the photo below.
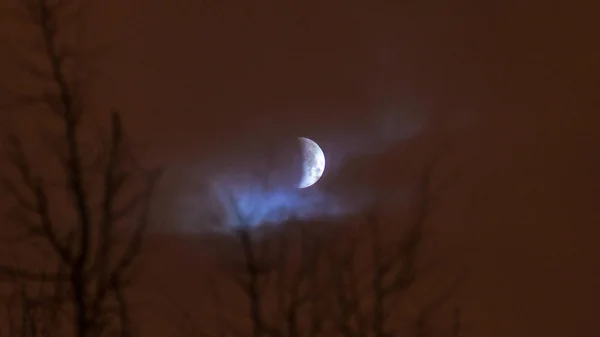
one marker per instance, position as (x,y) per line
(313,162)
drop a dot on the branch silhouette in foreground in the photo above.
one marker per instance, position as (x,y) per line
(107,196)
(274,269)
(34,311)
(373,270)
(351,276)
(279,277)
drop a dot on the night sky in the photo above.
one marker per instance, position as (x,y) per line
(212,87)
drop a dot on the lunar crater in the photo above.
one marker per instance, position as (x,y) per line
(313,163)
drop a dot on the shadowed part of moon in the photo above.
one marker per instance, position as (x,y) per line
(313,163)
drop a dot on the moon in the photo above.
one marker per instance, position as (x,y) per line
(313,162)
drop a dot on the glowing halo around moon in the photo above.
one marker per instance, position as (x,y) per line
(313,162)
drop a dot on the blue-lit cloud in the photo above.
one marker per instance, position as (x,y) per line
(341,192)
(233,194)
(252,203)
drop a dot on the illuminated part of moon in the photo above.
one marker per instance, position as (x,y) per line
(313,162)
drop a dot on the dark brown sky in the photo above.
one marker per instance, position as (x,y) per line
(517,81)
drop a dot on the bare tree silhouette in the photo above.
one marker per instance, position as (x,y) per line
(105,189)
(33,312)
(297,279)
(279,276)
(365,281)
(276,272)
(372,271)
